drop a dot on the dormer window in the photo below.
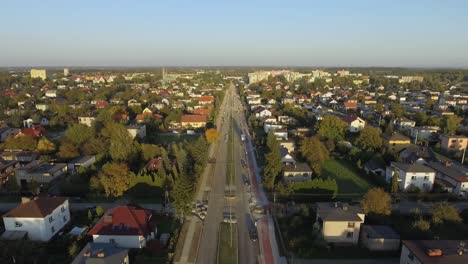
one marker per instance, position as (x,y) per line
(18,224)
(51,219)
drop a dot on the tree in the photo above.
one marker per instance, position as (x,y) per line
(90,215)
(395,181)
(444,212)
(23,142)
(149,151)
(79,134)
(68,150)
(212,135)
(122,146)
(273,161)
(332,127)
(45,146)
(182,194)
(315,152)
(115,179)
(377,201)
(73,249)
(370,138)
(398,110)
(12,184)
(99,211)
(450,124)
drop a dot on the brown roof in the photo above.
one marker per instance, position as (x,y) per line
(38,208)
(193,118)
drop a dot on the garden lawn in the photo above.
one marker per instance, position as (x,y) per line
(347,177)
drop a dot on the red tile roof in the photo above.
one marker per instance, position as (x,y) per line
(123,220)
(101,104)
(350,105)
(206,98)
(201,111)
(193,118)
(35,131)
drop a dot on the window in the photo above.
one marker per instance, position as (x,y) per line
(351,224)
(413,178)
(18,224)
(51,219)
(426,178)
(52,229)
(349,234)
(64,219)
(62,209)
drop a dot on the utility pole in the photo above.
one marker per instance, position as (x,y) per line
(416,138)
(463,157)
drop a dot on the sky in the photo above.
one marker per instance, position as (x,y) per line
(390,33)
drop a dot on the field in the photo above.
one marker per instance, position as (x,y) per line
(227,253)
(349,182)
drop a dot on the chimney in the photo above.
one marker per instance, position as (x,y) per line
(25,200)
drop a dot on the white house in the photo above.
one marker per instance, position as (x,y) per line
(40,218)
(138,130)
(404,124)
(297,172)
(261,113)
(339,222)
(411,175)
(355,124)
(125,226)
(454,178)
(51,93)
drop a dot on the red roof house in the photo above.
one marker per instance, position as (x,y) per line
(126,226)
(34,131)
(206,99)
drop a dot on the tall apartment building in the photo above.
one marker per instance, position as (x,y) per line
(39,73)
(66,72)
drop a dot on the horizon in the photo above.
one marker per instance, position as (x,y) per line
(357,34)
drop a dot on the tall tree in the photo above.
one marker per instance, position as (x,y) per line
(273,161)
(212,135)
(68,150)
(182,194)
(450,124)
(79,134)
(370,138)
(332,127)
(45,146)
(122,146)
(377,201)
(115,179)
(315,152)
(23,142)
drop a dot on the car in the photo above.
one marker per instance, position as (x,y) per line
(253,234)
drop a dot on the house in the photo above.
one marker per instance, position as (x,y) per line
(206,99)
(34,131)
(424,132)
(41,218)
(193,121)
(288,144)
(101,104)
(297,172)
(411,176)
(453,178)
(453,143)
(286,157)
(6,132)
(138,130)
(124,226)
(339,222)
(281,133)
(86,120)
(373,166)
(202,111)
(396,141)
(379,238)
(102,253)
(262,112)
(434,252)
(39,172)
(84,162)
(347,106)
(355,124)
(22,157)
(404,124)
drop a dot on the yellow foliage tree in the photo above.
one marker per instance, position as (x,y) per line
(212,135)
(45,146)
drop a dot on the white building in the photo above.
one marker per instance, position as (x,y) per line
(137,131)
(411,175)
(355,124)
(86,120)
(41,218)
(339,222)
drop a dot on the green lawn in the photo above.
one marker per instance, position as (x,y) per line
(347,177)
(170,138)
(227,253)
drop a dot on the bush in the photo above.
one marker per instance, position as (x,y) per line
(421,224)
(326,185)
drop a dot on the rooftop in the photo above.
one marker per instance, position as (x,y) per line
(450,251)
(37,208)
(100,253)
(337,211)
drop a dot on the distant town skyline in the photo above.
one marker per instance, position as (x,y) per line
(338,33)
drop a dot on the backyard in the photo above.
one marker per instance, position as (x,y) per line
(350,184)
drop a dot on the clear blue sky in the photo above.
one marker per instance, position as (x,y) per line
(431,33)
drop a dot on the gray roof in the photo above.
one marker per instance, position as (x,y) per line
(112,254)
(330,211)
(380,231)
(413,167)
(449,250)
(81,159)
(298,167)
